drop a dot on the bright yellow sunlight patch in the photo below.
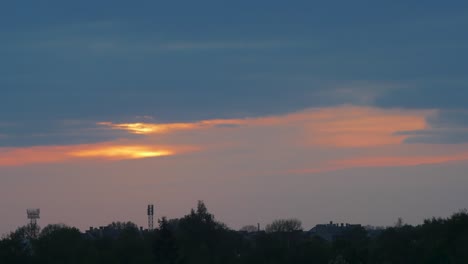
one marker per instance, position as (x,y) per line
(122,152)
(145,128)
(149,128)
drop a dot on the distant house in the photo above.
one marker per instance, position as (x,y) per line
(332,230)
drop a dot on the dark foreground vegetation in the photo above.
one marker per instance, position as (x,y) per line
(199,238)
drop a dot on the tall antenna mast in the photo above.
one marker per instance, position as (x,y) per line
(33,215)
(150,217)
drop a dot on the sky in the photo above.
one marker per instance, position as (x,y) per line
(345,111)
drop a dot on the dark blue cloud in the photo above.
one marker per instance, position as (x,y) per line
(428,95)
(37,133)
(450,119)
(114,60)
(447,127)
(438,137)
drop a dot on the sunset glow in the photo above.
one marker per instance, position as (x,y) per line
(315,110)
(146,128)
(338,127)
(346,126)
(399,161)
(364,127)
(382,161)
(101,151)
(160,128)
(121,152)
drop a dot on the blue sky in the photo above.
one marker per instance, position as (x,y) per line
(67,66)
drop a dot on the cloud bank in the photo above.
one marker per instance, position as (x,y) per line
(313,140)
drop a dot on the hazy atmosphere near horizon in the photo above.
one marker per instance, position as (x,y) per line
(351,111)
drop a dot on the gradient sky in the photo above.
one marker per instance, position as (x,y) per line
(352,111)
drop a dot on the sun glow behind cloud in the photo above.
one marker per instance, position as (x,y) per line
(150,128)
(337,130)
(101,151)
(345,126)
(122,152)
(145,128)
(363,126)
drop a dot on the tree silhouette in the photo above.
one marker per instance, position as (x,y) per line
(284,225)
(249,229)
(199,237)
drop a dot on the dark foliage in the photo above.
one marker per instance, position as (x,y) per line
(199,238)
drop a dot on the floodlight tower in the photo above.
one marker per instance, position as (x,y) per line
(150,217)
(33,215)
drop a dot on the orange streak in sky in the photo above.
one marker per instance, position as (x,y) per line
(345,126)
(399,161)
(363,127)
(335,127)
(385,161)
(105,151)
(145,128)
(121,152)
(149,128)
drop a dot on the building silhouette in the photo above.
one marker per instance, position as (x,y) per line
(331,231)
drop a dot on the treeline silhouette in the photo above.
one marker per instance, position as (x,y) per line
(199,238)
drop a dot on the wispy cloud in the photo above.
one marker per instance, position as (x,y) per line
(324,138)
(100,151)
(346,126)
(116,44)
(154,128)
(386,161)
(444,127)
(382,161)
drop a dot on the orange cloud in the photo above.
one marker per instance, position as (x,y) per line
(149,128)
(104,151)
(345,126)
(332,127)
(363,127)
(121,152)
(382,161)
(399,161)
(146,128)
